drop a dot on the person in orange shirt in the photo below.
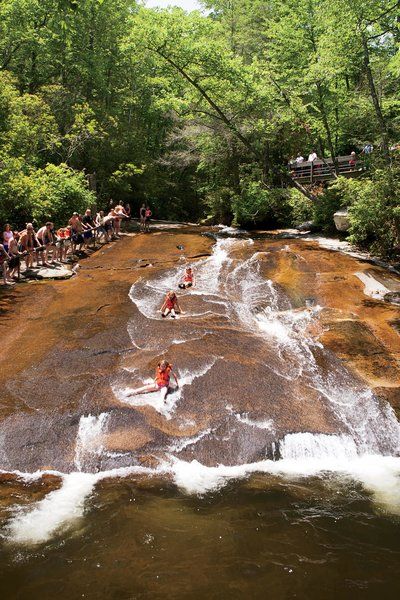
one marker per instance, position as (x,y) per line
(162,381)
(63,237)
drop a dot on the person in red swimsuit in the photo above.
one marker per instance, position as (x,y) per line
(188,279)
(162,381)
(170,306)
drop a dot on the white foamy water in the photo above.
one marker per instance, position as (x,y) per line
(63,508)
(371,424)
(89,441)
(60,507)
(378,474)
(155,399)
(226,230)
(180,445)
(302,446)
(372,287)
(244,418)
(267,424)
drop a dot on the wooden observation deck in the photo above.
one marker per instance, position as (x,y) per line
(323,170)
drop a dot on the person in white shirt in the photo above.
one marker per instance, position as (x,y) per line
(299,159)
(312,156)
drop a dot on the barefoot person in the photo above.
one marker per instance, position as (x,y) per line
(171,305)
(76,232)
(46,238)
(28,243)
(162,381)
(142,217)
(188,279)
(4,260)
(14,264)
(147,219)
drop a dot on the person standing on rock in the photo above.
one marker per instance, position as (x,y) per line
(147,217)
(76,232)
(142,217)
(162,381)
(4,260)
(46,238)
(28,242)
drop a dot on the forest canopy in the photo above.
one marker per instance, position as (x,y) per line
(199,113)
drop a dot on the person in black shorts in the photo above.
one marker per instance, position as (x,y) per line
(142,217)
(88,225)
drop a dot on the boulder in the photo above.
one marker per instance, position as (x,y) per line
(341,218)
(307,226)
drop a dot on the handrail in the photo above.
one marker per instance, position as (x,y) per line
(320,169)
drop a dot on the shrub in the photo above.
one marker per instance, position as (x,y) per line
(302,209)
(263,206)
(373,204)
(52,193)
(374,212)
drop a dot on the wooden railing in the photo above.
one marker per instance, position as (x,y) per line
(323,169)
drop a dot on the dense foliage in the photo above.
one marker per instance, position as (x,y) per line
(199,113)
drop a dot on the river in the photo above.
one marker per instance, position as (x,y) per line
(273,470)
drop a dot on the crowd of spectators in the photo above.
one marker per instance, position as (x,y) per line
(49,247)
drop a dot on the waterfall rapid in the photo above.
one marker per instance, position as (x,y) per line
(250,371)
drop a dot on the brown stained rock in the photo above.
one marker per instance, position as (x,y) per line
(354,342)
(149,461)
(50,478)
(391,395)
(8,477)
(70,347)
(351,337)
(121,440)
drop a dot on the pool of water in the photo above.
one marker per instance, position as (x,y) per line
(315,538)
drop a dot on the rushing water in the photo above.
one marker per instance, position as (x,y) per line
(274,471)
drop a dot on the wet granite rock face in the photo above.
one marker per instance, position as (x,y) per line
(393,297)
(71,349)
(390,395)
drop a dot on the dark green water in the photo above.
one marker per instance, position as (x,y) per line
(264,538)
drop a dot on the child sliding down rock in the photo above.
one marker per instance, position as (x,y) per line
(171,305)
(188,279)
(162,381)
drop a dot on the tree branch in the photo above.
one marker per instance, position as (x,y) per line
(383,14)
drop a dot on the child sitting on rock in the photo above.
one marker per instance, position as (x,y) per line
(171,305)
(162,381)
(188,279)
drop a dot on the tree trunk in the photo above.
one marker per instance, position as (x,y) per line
(375,99)
(321,106)
(225,119)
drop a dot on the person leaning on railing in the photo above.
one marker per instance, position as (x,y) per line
(353,161)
